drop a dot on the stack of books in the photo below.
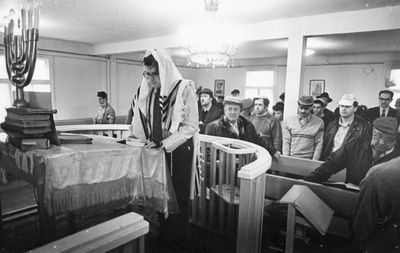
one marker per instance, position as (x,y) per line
(30,128)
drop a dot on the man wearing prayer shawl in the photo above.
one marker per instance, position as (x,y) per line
(166,117)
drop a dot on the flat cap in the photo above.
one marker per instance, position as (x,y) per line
(325,95)
(306,100)
(247,103)
(235,91)
(387,125)
(230,100)
(207,91)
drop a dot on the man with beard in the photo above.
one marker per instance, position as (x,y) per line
(360,154)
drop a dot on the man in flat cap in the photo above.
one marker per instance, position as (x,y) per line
(233,125)
(105,114)
(303,134)
(208,111)
(346,128)
(325,97)
(235,93)
(360,154)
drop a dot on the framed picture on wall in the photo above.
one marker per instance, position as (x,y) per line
(317,87)
(219,87)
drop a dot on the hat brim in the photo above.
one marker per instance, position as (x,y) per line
(346,102)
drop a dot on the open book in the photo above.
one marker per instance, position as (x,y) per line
(342,185)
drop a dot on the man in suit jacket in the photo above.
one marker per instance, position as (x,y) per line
(383,110)
(208,111)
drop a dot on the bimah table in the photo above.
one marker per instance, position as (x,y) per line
(76,177)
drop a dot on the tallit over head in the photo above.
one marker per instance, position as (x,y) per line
(169,77)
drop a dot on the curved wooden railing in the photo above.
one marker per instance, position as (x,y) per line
(228,188)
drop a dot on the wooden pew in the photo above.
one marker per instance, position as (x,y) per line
(122,234)
(341,201)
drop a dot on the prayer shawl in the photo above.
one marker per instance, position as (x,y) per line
(174,107)
(172,88)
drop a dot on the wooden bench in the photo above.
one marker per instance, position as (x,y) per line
(122,234)
(340,200)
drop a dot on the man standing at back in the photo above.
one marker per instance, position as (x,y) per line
(325,97)
(105,114)
(303,133)
(165,118)
(346,128)
(384,109)
(208,111)
(266,124)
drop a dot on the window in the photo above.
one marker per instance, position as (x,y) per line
(395,79)
(40,83)
(260,83)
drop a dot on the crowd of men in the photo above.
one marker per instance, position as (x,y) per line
(165,116)
(351,138)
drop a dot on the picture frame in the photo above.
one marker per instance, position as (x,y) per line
(219,87)
(316,87)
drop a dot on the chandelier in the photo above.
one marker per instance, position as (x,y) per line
(211,43)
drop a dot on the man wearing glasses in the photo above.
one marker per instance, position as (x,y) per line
(303,134)
(383,110)
(166,120)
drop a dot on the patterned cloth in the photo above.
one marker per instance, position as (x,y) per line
(78,176)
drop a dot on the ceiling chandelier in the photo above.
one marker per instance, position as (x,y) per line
(211,43)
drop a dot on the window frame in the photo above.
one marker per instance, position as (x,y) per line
(274,85)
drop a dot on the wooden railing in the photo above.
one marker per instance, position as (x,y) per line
(229,188)
(122,234)
(112,130)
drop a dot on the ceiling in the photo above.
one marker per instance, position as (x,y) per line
(104,21)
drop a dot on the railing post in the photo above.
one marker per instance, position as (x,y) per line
(251,212)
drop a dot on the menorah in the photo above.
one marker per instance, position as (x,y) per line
(20,40)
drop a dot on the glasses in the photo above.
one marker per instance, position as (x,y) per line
(385,99)
(148,75)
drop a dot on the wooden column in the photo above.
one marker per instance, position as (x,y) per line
(294,73)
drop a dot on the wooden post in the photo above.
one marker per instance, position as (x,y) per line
(290,228)
(251,211)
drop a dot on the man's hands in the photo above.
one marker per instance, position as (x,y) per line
(151,144)
(277,155)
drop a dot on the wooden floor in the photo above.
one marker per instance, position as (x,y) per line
(21,235)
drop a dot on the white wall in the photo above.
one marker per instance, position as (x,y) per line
(129,77)
(363,80)
(78,78)
(75,84)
